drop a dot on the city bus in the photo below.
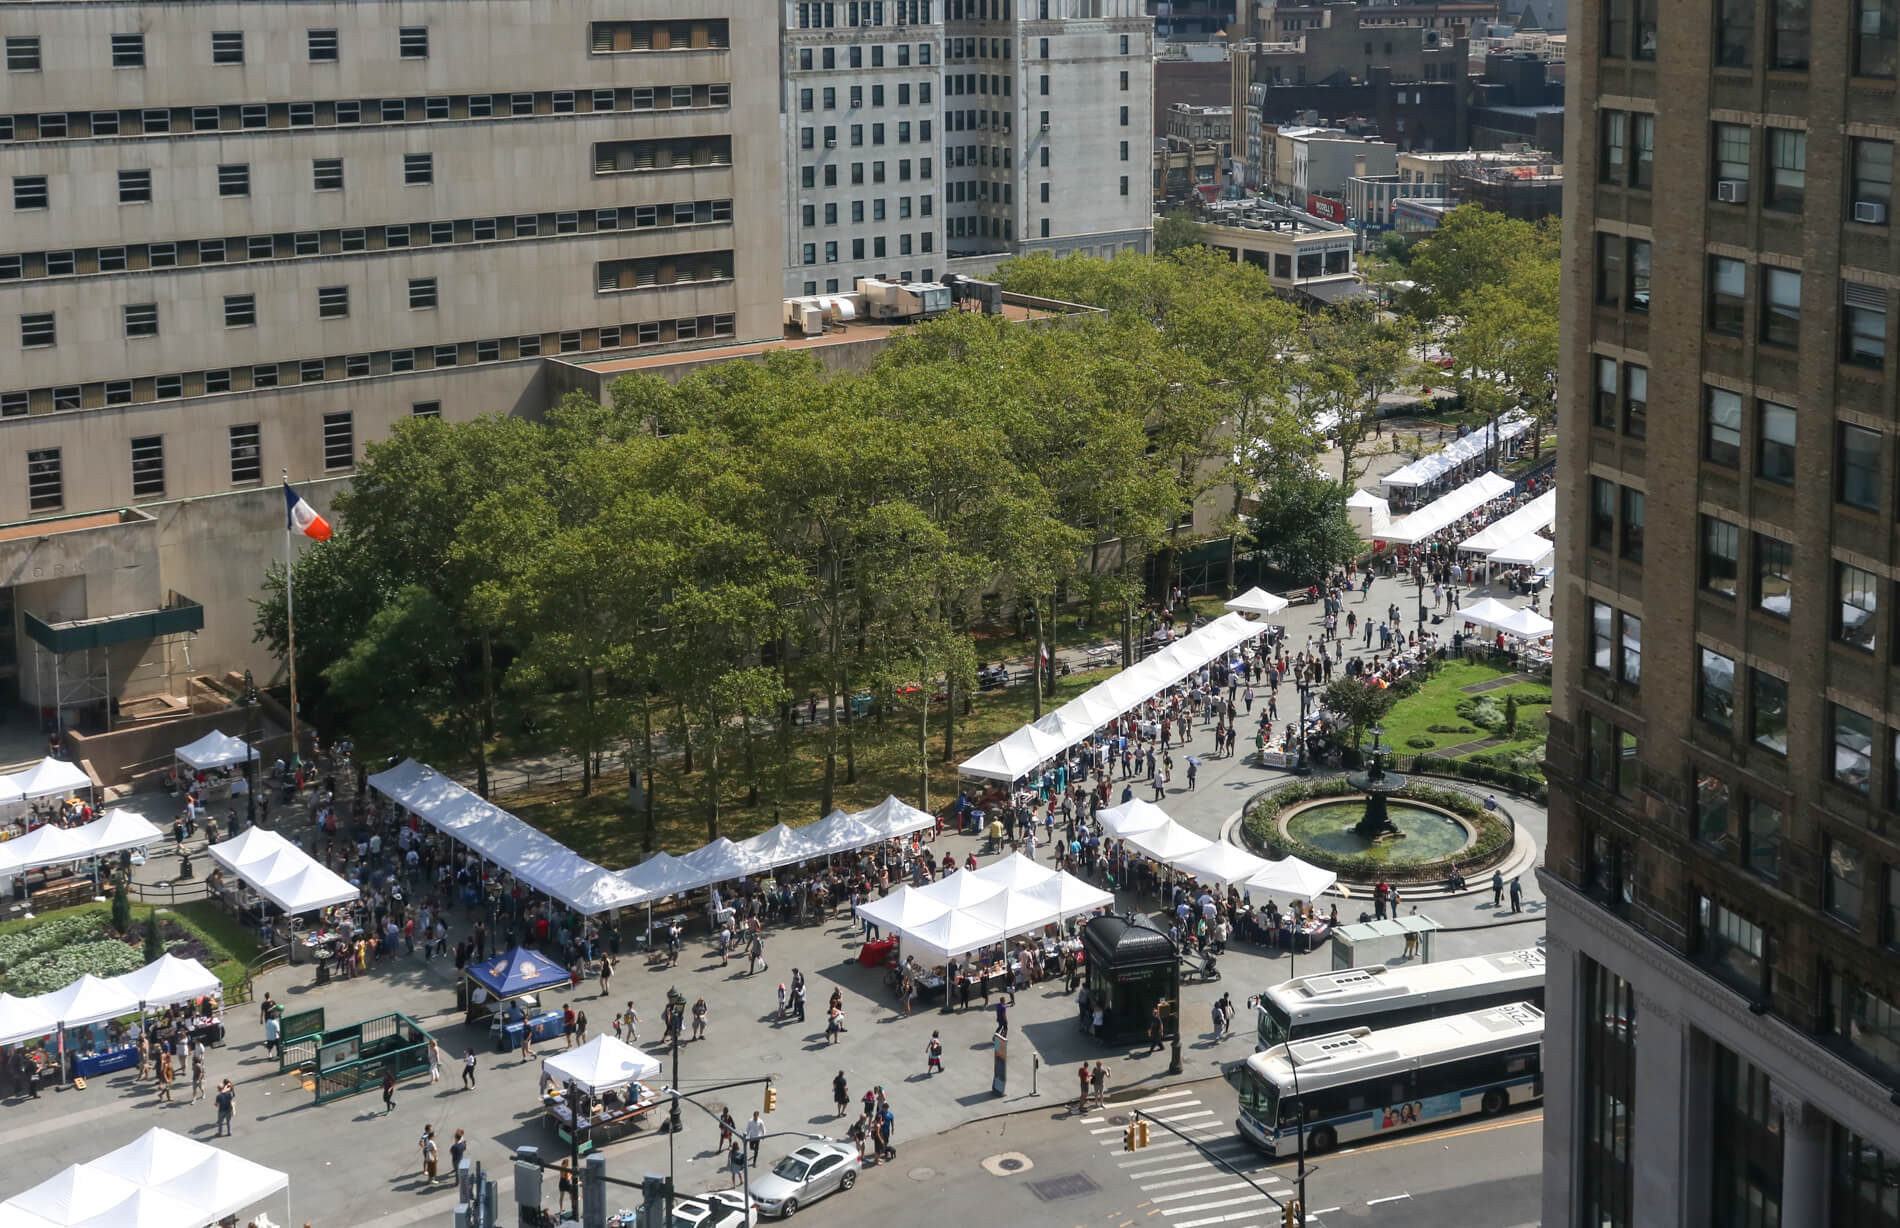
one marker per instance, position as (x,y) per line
(1368,1083)
(1382,997)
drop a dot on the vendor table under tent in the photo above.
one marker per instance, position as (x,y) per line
(1293,878)
(214,750)
(1448,509)
(115,831)
(1257,601)
(603,1062)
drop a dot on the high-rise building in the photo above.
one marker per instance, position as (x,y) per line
(1723,869)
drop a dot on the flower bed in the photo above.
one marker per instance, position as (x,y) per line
(50,952)
(1491,838)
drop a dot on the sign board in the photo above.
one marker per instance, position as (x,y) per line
(337,1052)
(1322,206)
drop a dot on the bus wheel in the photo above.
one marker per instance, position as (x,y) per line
(1322,1139)
(1494,1102)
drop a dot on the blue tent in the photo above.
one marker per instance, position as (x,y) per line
(519,971)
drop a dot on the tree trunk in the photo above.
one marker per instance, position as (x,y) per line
(1052,645)
(587,738)
(686,739)
(850,734)
(652,836)
(487,730)
(827,801)
(712,789)
(949,717)
(923,740)
(751,761)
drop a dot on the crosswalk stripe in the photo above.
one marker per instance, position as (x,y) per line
(1213,1206)
(1108,1129)
(1157,1185)
(1217,1219)
(1173,1095)
(1173,1118)
(1202,1192)
(1156,1172)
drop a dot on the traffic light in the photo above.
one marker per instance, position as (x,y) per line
(771,1097)
(1128,1138)
(1141,1132)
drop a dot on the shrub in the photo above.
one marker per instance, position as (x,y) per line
(60,967)
(1419,742)
(154,945)
(122,909)
(1510,716)
(45,936)
(1450,729)
(1481,710)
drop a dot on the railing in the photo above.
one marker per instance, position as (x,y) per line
(169,892)
(517,779)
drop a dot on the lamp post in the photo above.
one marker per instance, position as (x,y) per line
(1421,599)
(1174,1057)
(251,759)
(1300,733)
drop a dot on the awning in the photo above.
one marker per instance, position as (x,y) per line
(518,972)
(1293,878)
(169,979)
(214,750)
(1341,290)
(1257,601)
(50,778)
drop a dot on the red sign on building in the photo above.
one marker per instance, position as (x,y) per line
(1321,206)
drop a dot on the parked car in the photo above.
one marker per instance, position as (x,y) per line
(806,1175)
(719,1209)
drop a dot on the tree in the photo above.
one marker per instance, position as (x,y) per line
(1178,229)
(1471,248)
(122,909)
(154,944)
(1300,525)
(1504,352)
(1358,706)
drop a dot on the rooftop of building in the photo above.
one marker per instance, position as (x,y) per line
(1266,216)
(68,524)
(1190,109)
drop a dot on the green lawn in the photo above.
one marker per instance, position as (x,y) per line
(1437,704)
(229,946)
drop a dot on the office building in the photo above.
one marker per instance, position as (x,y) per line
(1723,866)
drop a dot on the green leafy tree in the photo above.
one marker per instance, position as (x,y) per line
(1300,525)
(121,908)
(1471,248)
(1359,707)
(1178,229)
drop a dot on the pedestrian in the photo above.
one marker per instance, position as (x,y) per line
(1154,1028)
(435,1062)
(567,1026)
(389,1091)
(1098,1081)
(1082,1078)
(841,1094)
(566,1191)
(580,1025)
(426,1145)
(633,1025)
(606,973)
(728,1129)
(165,1073)
(755,954)
(834,1024)
(266,1009)
(226,1102)
(457,1150)
(754,1134)
(468,1068)
(273,1032)
(933,1052)
(527,1041)
(699,1019)
(1002,1018)
(735,1161)
(145,1057)
(1517,895)
(1497,888)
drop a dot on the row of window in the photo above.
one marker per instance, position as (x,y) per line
(40,329)
(227,48)
(187,253)
(829,14)
(809,99)
(661,154)
(647,272)
(612,37)
(234,179)
(1857,449)
(1857,591)
(809,176)
(1783,177)
(348,112)
(1783,27)
(808,214)
(926,242)
(826,58)
(808,136)
(145,389)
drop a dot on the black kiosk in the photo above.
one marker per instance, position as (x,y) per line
(1131,966)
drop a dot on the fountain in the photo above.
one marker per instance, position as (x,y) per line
(1377,784)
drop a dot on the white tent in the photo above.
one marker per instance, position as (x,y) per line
(214,750)
(1257,601)
(145,1208)
(1428,469)
(161,1179)
(601,1063)
(776,846)
(155,1156)
(168,979)
(954,933)
(73,1196)
(444,804)
(1221,862)
(1447,509)
(1486,613)
(88,1000)
(903,909)
(1012,912)
(1068,895)
(839,832)
(251,845)
(1293,878)
(959,890)
(718,861)
(1526,624)
(1526,551)
(1014,756)
(221,1184)
(23,1019)
(1371,514)
(891,817)
(44,846)
(593,891)
(659,876)
(1131,817)
(9,792)
(120,829)
(1167,843)
(281,872)
(306,890)
(1014,872)
(49,778)
(1539,513)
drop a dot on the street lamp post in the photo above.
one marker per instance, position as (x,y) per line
(1300,733)
(1174,1058)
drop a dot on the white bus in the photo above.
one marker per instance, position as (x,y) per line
(1382,997)
(1367,1084)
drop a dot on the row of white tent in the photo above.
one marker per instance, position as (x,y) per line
(281,872)
(1146,827)
(112,832)
(1523,623)
(47,778)
(1428,469)
(1448,509)
(1516,540)
(1017,755)
(92,999)
(972,909)
(159,1180)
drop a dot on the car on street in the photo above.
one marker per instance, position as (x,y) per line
(806,1175)
(719,1209)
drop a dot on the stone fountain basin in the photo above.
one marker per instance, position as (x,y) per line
(1431,833)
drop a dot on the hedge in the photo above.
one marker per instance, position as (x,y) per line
(1261,827)
(1532,787)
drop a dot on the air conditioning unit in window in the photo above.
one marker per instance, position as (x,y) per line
(831,144)
(1873,212)
(1045,127)
(1732,191)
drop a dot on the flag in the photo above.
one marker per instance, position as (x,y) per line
(302,518)
(1042,653)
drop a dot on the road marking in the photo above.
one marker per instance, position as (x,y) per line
(1173,1095)
(1189,1180)
(1108,1129)
(1373,1202)
(1256,1196)
(1323,1211)
(1219,1219)
(1204,1190)
(1199,1165)
(1179,1117)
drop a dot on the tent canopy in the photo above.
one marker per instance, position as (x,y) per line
(1257,601)
(281,872)
(954,933)
(891,817)
(253,844)
(960,890)
(1447,509)
(1014,872)
(44,846)
(601,1063)
(1221,862)
(1068,895)
(518,972)
(776,846)
(659,876)
(1132,816)
(839,832)
(1486,613)
(89,1000)
(718,861)
(1539,513)
(160,1178)
(23,1019)
(120,829)
(73,1196)
(1526,551)
(903,909)
(1168,842)
(1293,878)
(1526,624)
(222,1184)
(594,890)
(214,750)
(50,777)
(1428,469)
(169,979)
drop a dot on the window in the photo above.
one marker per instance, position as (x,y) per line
(1776,452)
(1631,546)
(1858,468)
(148,467)
(1788,35)
(412,42)
(1853,753)
(1609,269)
(421,293)
(1867,1027)
(1714,817)
(418,169)
(322,46)
(37,329)
(1722,427)
(29,191)
(141,320)
(45,481)
(234,179)
(1787,169)
(1609,393)
(1876,52)
(1859,604)
(1632,645)
(1602,636)
(1639,275)
(1636,401)
(326,174)
(1863,325)
(247,454)
(1599,751)
(23,53)
(333,302)
(240,310)
(1732,947)
(1643,169)
(426,409)
(1871,188)
(1734,33)
(1124,185)
(227,46)
(1643,41)
(1602,514)
(339,441)
(1728,282)
(1124,117)
(135,187)
(1733,157)
(264,375)
(1768,711)
(128,51)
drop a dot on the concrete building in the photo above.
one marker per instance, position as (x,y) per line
(1307,258)
(1193,74)
(1190,20)
(1191,153)
(1318,161)
(1370,200)
(1723,869)
(1191,125)
(247,236)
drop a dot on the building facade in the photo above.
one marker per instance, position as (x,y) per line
(1723,869)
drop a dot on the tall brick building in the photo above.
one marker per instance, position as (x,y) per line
(1724,861)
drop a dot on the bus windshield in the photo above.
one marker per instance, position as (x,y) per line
(1259,1099)
(1275,1024)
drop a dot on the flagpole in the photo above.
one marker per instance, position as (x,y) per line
(290,619)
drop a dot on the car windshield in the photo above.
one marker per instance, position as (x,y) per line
(791,1168)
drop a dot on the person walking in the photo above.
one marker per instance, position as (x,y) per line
(145,1056)
(165,1073)
(1497,888)
(468,1068)
(699,1019)
(457,1150)
(754,1135)
(426,1145)
(933,1054)
(566,1191)
(567,1027)
(1002,1018)
(633,1025)
(580,1025)
(273,1034)
(834,1024)
(1154,1028)
(389,1091)
(1517,895)
(728,1129)
(1098,1082)
(435,1062)
(226,1102)
(841,1094)
(198,1071)
(755,954)
(606,973)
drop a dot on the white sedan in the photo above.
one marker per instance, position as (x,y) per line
(719,1209)
(806,1175)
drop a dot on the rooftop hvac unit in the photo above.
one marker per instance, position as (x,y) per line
(1732,191)
(1873,212)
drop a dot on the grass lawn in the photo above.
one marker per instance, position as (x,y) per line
(229,947)
(603,828)
(1437,704)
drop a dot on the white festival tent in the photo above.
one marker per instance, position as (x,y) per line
(51,846)
(960,890)
(1526,624)
(1293,878)
(891,817)
(1023,751)
(1131,817)
(9,792)
(281,872)
(1526,551)
(1167,843)
(160,1179)
(23,1019)
(1014,872)
(1539,513)
(214,750)
(1371,514)
(955,933)
(603,1062)
(839,832)
(1221,862)
(89,999)
(1257,601)
(659,876)
(718,861)
(49,778)
(1012,912)
(1068,895)
(776,846)
(252,845)
(72,1196)
(306,889)
(117,830)
(1486,613)
(1428,469)
(169,979)
(903,909)
(1447,509)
